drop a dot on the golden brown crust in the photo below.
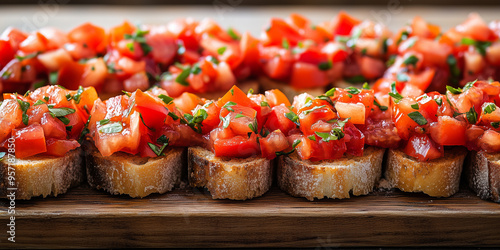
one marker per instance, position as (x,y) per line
(266,83)
(483,175)
(229,178)
(135,176)
(42,175)
(437,178)
(330,178)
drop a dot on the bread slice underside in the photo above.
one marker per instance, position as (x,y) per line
(229,178)
(41,175)
(133,175)
(356,175)
(290,92)
(483,175)
(438,178)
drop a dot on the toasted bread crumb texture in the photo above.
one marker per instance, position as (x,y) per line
(483,175)
(332,178)
(267,84)
(437,178)
(42,175)
(229,178)
(135,176)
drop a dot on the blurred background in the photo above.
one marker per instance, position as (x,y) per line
(251,15)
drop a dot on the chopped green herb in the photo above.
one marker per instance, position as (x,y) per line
(415,106)
(454,69)
(139,37)
(366,86)
(383,108)
(313,109)
(239,115)
(111,128)
(264,104)
(334,135)
(353,90)
(481,46)
(312,138)
(61,112)
(411,60)
(394,93)
(285,43)
(226,120)
(53,77)
(69,97)
(495,124)
(24,106)
(182,77)
(233,34)
(356,79)
(292,117)
(489,108)
(253,126)
(250,91)
(453,90)
(104,122)
(39,102)
(418,118)
(229,105)
(232,91)
(166,99)
(325,65)
(439,101)
(221,50)
(471,115)
(142,119)
(330,92)
(29,56)
(294,145)
(78,95)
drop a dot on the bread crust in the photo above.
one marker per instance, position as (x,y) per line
(42,175)
(267,83)
(356,175)
(135,176)
(483,175)
(437,178)
(229,178)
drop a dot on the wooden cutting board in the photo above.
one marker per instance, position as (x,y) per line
(190,218)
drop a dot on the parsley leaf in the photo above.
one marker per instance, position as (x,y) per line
(418,118)
(166,99)
(111,128)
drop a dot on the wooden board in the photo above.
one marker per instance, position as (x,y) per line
(190,218)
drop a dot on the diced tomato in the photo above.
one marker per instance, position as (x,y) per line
(490,141)
(277,120)
(333,149)
(344,23)
(306,75)
(138,81)
(163,45)
(354,111)
(371,68)
(225,77)
(237,96)
(53,127)
(127,140)
(309,117)
(60,147)
(95,73)
(90,36)
(14,36)
(10,117)
(404,124)
(29,141)
(423,148)
(354,140)
(279,30)
(187,102)
(250,51)
(275,97)
(36,112)
(6,53)
(54,60)
(276,141)
(336,52)
(448,131)
(34,43)
(151,108)
(277,63)
(70,75)
(237,146)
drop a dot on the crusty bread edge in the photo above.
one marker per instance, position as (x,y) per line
(41,175)
(229,178)
(437,178)
(482,173)
(134,176)
(333,178)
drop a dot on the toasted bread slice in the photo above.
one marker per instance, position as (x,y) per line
(483,175)
(229,178)
(41,175)
(266,83)
(133,175)
(339,178)
(437,178)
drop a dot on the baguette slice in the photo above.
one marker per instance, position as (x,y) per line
(267,84)
(42,175)
(483,175)
(229,178)
(133,175)
(355,175)
(437,178)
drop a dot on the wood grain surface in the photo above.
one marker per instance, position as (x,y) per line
(190,218)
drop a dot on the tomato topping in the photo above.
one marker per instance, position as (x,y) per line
(276,141)
(29,141)
(60,147)
(423,148)
(237,146)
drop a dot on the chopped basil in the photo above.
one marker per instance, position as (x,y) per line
(78,95)
(69,97)
(415,106)
(229,105)
(69,128)
(325,65)
(24,106)
(253,126)
(313,109)
(159,150)
(138,37)
(29,56)
(489,108)
(104,122)
(292,117)
(239,115)
(418,118)
(226,120)
(126,93)
(285,43)
(469,85)
(53,77)
(353,90)
(481,46)
(453,90)
(232,91)
(383,108)
(334,135)
(221,50)
(394,93)
(439,101)
(324,98)
(356,79)
(173,115)
(213,59)
(233,34)
(39,102)
(64,120)
(495,124)
(411,60)
(195,121)
(312,138)
(250,91)
(366,86)
(330,92)
(182,77)
(111,128)
(85,131)
(61,112)
(454,69)
(142,119)
(264,103)
(39,84)
(166,99)
(471,115)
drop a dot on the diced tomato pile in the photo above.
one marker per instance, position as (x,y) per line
(49,120)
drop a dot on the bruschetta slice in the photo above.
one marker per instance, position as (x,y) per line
(137,142)
(41,134)
(244,133)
